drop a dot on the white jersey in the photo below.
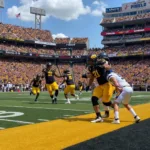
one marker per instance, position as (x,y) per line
(122,82)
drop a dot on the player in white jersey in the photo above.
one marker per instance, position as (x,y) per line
(124,92)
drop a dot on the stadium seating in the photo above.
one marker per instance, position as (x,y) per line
(21,71)
(125,18)
(9,31)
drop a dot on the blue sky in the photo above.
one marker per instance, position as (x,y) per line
(72,18)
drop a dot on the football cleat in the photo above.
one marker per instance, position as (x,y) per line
(35,100)
(77,97)
(116,121)
(98,119)
(137,119)
(55,100)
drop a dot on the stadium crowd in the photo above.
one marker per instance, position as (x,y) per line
(126,36)
(9,31)
(125,18)
(19,72)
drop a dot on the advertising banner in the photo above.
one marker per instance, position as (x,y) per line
(115,9)
(134,6)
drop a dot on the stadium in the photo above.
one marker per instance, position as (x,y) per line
(25,52)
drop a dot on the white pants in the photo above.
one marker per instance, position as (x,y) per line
(125,95)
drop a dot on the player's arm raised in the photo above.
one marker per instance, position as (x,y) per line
(56,75)
(43,73)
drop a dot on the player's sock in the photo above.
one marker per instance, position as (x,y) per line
(37,96)
(31,93)
(133,112)
(56,93)
(98,114)
(52,97)
(116,115)
(55,99)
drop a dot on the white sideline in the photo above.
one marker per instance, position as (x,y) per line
(43,108)
(17,121)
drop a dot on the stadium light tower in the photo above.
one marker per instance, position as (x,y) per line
(38,12)
(1,6)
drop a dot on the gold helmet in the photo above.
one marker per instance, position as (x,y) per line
(91,59)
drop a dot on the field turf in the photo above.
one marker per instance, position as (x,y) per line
(19,109)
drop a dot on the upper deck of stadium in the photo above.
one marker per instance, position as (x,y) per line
(138,11)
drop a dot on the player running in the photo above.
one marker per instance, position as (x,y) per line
(104,90)
(51,84)
(70,86)
(36,85)
(124,92)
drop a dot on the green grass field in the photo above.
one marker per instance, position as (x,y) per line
(18,109)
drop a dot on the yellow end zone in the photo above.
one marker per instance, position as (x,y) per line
(58,134)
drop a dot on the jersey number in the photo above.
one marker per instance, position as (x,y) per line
(49,74)
(70,77)
(96,74)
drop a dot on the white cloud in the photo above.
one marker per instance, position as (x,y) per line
(59,35)
(96,3)
(100,8)
(62,9)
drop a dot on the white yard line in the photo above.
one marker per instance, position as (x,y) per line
(43,120)
(43,108)
(17,121)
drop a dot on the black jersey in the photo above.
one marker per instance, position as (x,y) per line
(36,82)
(69,79)
(99,73)
(49,76)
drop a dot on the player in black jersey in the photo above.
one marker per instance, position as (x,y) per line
(49,74)
(36,85)
(104,90)
(70,86)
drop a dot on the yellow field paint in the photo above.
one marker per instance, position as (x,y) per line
(58,134)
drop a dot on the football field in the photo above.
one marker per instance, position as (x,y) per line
(45,122)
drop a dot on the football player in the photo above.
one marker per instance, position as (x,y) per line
(80,85)
(70,86)
(104,90)
(36,85)
(51,84)
(124,92)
